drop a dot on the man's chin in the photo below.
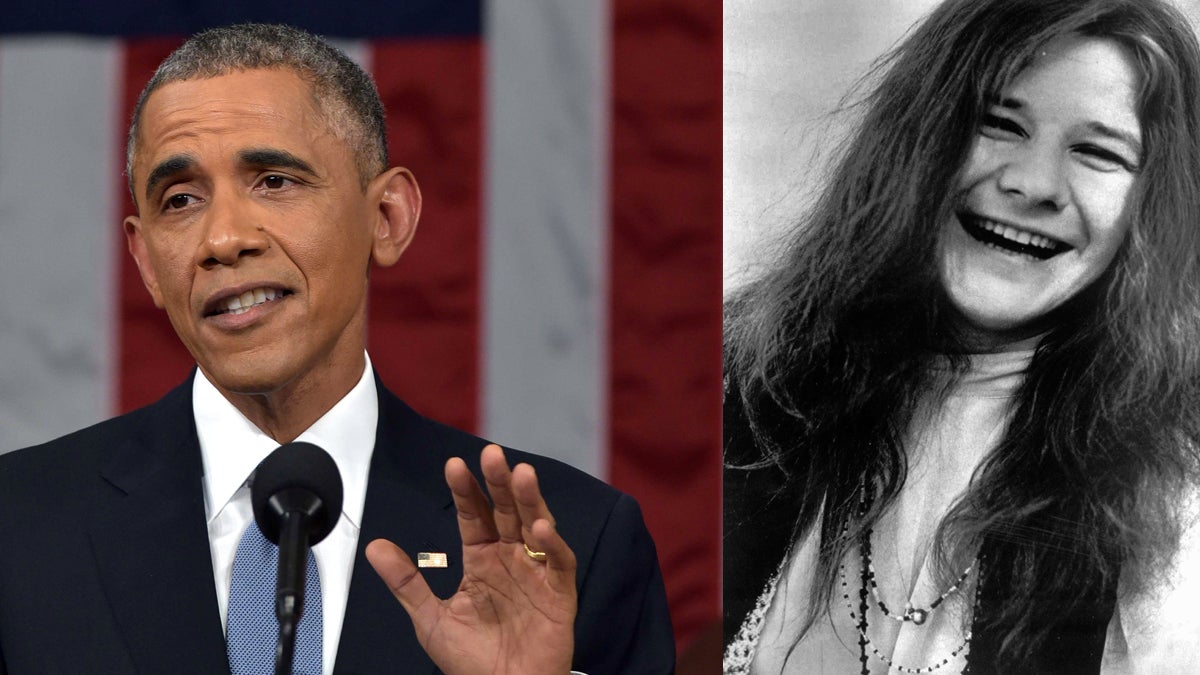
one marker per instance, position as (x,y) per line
(245,377)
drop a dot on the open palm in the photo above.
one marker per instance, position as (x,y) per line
(511,613)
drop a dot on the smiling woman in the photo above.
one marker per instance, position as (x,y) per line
(1043,191)
(962,408)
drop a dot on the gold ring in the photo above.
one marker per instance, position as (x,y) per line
(537,556)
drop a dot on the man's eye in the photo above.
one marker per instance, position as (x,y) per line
(179,200)
(274,182)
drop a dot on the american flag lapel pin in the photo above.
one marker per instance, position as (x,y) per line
(431,559)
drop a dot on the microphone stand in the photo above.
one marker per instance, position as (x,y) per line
(289,590)
(297,499)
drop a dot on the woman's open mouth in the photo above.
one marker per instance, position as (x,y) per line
(1011,239)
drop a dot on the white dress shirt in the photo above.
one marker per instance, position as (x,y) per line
(232,447)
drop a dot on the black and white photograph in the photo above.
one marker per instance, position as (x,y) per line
(961,337)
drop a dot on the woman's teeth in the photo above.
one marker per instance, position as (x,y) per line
(1019,236)
(1011,239)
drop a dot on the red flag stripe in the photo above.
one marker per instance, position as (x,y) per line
(665,326)
(424,320)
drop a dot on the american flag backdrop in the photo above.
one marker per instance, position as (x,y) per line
(562,294)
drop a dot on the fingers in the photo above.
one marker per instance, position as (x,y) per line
(560,560)
(475,520)
(499,485)
(517,498)
(517,506)
(528,497)
(406,583)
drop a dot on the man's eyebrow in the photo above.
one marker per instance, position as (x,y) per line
(271,157)
(171,166)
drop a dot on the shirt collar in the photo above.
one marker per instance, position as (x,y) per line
(231,446)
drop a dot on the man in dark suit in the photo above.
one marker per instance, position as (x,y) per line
(258,165)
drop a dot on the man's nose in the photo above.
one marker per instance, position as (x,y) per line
(1035,175)
(233,230)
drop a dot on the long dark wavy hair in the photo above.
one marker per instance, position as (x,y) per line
(828,353)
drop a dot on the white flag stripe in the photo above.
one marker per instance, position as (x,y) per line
(546,222)
(58,235)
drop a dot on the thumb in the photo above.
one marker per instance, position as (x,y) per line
(406,583)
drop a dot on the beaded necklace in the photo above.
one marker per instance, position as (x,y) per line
(913,614)
(860,618)
(917,616)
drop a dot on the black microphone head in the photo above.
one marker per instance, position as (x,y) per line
(297,476)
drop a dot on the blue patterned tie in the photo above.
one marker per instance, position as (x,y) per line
(252,629)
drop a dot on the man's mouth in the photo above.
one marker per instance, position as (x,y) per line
(1012,239)
(240,304)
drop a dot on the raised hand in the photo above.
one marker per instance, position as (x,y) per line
(514,612)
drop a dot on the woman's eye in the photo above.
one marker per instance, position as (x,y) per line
(1103,158)
(998,125)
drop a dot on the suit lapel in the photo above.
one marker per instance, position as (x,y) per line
(409,504)
(150,542)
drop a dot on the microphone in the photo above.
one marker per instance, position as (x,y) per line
(297,499)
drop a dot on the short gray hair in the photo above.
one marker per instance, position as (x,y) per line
(342,91)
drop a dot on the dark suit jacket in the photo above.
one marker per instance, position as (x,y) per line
(105,564)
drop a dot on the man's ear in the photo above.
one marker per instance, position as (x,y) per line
(137,249)
(396,220)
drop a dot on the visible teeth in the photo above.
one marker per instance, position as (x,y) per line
(1019,236)
(240,304)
